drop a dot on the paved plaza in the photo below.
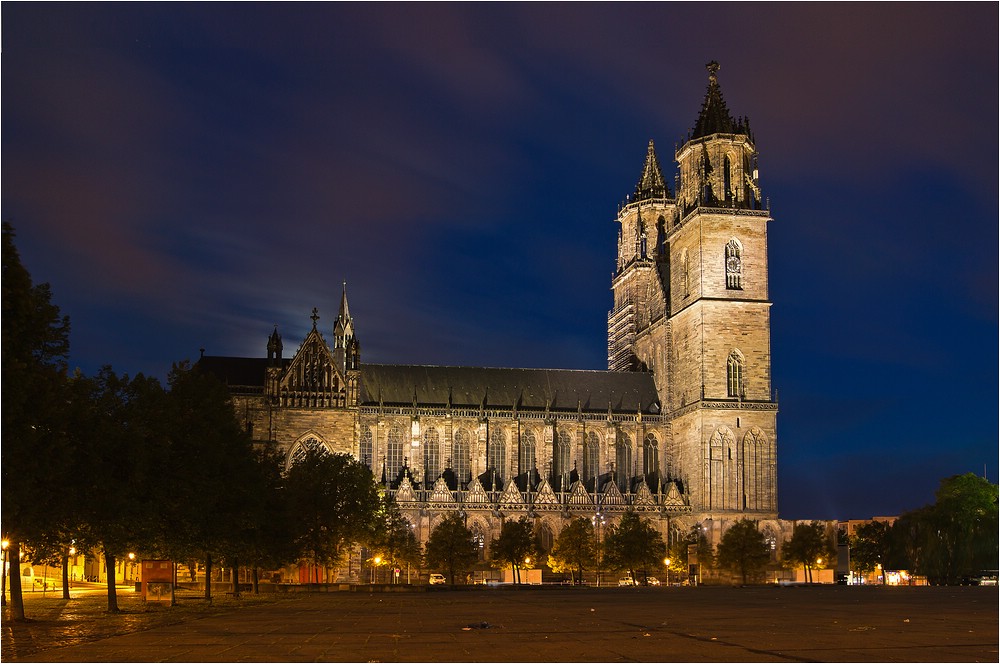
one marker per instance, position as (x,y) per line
(801,624)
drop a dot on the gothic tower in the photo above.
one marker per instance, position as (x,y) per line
(691,305)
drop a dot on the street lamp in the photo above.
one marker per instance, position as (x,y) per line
(131,560)
(3,583)
(598,521)
(666,562)
(377,560)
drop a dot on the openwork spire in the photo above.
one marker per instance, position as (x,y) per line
(714,117)
(651,183)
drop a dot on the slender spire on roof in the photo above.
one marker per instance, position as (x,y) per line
(714,117)
(343,327)
(651,183)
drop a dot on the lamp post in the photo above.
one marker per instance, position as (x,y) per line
(130,570)
(666,563)
(3,583)
(377,560)
(598,521)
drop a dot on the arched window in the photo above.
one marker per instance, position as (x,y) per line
(299,450)
(526,456)
(461,457)
(734,265)
(432,456)
(685,273)
(394,452)
(734,374)
(496,454)
(561,461)
(623,460)
(366,448)
(727,178)
(591,456)
(758,470)
(650,455)
(723,478)
(479,538)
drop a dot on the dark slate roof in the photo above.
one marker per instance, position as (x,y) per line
(237,371)
(529,389)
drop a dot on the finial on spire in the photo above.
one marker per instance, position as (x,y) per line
(713,70)
(315,316)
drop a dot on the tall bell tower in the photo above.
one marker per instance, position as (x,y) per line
(691,305)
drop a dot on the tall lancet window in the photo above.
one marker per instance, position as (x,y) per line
(461,457)
(734,374)
(432,456)
(734,265)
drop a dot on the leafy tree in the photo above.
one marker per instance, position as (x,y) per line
(451,547)
(810,547)
(871,547)
(575,549)
(634,545)
(743,549)
(268,542)
(332,501)
(393,536)
(956,536)
(35,346)
(515,546)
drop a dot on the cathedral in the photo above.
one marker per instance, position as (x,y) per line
(681,428)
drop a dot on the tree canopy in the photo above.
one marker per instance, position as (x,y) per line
(451,547)
(515,546)
(743,549)
(810,547)
(575,548)
(634,545)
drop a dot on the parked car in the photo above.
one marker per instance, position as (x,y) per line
(652,580)
(437,580)
(626,581)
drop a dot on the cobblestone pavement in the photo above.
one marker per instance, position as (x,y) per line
(800,624)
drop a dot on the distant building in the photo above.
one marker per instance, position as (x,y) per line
(681,427)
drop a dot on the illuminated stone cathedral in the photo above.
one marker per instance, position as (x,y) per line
(680,428)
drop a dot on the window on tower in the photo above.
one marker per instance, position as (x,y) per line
(734,373)
(734,265)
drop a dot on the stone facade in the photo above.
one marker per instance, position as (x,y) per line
(681,428)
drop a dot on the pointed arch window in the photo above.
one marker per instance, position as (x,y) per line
(623,461)
(366,448)
(561,458)
(685,273)
(461,457)
(591,456)
(526,456)
(734,374)
(300,449)
(734,265)
(394,452)
(650,455)
(432,456)
(496,454)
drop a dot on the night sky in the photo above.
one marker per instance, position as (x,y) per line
(187,176)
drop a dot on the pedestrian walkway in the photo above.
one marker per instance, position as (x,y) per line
(834,623)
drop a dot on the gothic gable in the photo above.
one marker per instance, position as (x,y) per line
(441,493)
(511,496)
(312,379)
(578,495)
(476,494)
(405,493)
(545,496)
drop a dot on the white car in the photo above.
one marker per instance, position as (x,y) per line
(626,581)
(437,580)
(652,580)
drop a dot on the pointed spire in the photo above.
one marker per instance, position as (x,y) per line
(651,183)
(343,327)
(274,346)
(714,117)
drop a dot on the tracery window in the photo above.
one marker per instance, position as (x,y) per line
(685,273)
(432,456)
(394,452)
(734,265)
(561,458)
(591,456)
(623,460)
(734,374)
(461,456)
(496,454)
(526,456)
(366,448)
(301,448)
(650,454)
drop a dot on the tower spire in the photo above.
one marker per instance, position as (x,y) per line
(714,117)
(651,183)
(345,346)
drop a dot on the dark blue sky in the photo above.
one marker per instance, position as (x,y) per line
(188,175)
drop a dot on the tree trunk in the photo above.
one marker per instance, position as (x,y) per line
(65,575)
(236,577)
(109,568)
(256,581)
(16,601)
(208,578)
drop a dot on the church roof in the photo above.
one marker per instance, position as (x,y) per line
(714,117)
(530,389)
(238,371)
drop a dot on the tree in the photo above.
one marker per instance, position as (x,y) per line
(871,547)
(332,502)
(515,546)
(634,545)
(743,549)
(35,347)
(393,537)
(451,547)
(575,549)
(810,547)
(954,538)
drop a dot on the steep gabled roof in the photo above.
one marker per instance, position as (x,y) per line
(529,389)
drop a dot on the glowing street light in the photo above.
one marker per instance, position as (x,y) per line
(666,563)
(3,584)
